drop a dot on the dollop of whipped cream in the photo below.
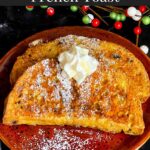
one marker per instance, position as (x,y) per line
(77,64)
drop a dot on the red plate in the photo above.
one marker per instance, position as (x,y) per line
(58,137)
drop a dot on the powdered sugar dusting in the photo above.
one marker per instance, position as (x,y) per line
(61,138)
(85,90)
(85,42)
(56,93)
(64,140)
(65,89)
(47,86)
(47,71)
(39,79)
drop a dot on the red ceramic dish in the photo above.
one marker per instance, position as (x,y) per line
(58,137)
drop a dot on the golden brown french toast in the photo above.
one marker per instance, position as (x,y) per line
(51,49)
(109,99)
(114,55)
(105,100)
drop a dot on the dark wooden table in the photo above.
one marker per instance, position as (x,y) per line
(16,23)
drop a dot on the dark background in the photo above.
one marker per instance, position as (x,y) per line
(16,23)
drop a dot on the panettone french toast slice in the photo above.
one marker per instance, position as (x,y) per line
(113,55)
(104,100)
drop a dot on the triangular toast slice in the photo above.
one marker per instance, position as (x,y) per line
(105,100)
